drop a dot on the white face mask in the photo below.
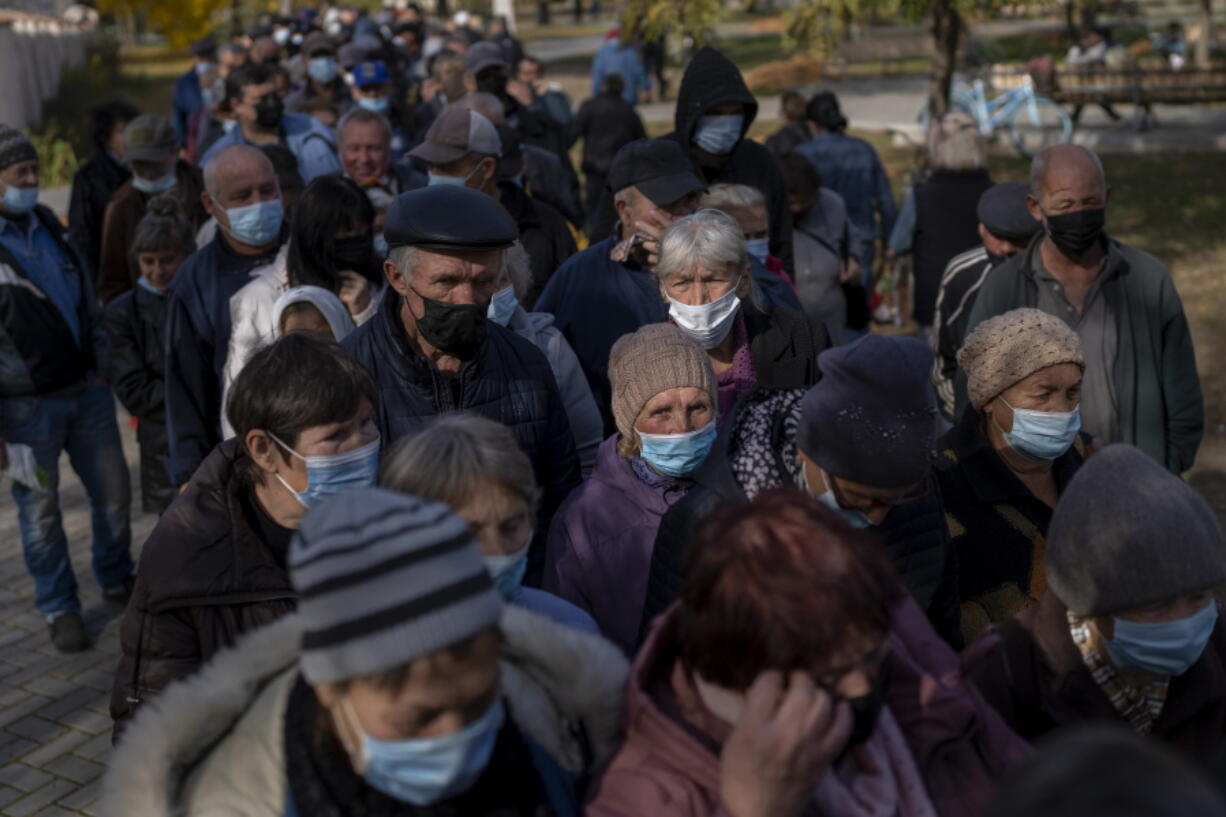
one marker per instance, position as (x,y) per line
(154,186)
(707,324)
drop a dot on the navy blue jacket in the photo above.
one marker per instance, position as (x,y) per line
(509,381)
(187,100)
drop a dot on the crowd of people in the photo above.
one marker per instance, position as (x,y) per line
(482,495)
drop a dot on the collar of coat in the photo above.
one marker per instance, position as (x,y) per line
(554,679)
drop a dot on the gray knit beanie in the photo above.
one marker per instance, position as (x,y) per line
(656,358)
(15,147)
(383,579)
(1003,351)
(1128,533)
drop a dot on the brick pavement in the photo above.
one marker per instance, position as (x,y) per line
(55,733)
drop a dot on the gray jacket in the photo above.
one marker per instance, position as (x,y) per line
(1161,409)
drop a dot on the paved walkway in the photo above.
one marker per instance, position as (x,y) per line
(55,733)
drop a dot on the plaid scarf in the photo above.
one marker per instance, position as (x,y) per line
(1140,705)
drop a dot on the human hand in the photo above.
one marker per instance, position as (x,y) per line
(781,745)
(649,247)
(429,88)
(355,292)
(851,271)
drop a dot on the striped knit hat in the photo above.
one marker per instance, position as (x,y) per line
(15,147)
(383,579)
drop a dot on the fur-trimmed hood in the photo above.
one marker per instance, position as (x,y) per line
(554,679)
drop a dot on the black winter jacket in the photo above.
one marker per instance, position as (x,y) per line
(205,577)
(913,534)
(544,234)
(92,187)
(605,123)
(784,345)
(509,381)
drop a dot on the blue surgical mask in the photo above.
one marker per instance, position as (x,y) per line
(228,125)
(508,571)
(322,69)
(256,224)
(19,200)
(281,36)
(458,181)
(381,248)
(378,104)
(759,248)
(502,306)
(1164,647)
(1042,435)
(334,474)
(719,134)
(855,518)
(678,455)
(425,771)
(155,186)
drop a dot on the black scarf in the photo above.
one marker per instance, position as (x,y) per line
(324,784)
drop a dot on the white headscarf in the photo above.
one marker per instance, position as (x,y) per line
(327,303)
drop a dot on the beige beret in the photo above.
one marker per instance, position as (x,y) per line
(1003,351)
(656,358)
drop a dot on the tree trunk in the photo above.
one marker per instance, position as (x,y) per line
(946,27)
(1204,46)
(236,18)
(578,11)
(542,12)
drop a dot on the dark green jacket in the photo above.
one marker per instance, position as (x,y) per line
(1161,410)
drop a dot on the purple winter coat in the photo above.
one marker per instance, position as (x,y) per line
(599,549)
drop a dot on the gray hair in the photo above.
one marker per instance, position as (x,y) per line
(733,198)
(1039,165)
(454,457)
(405,258)
(710,239)
(361,115)
(211,167)
(518,267)
(955,143)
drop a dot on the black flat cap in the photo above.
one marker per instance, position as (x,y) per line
(448,217)
(659,169)
(1002,210)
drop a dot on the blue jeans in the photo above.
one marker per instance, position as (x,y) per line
(83,424)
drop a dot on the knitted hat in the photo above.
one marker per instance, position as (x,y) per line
(149,138)
(871,418)
(1003,351)
(383,579)
(656,358)
(15,147)
(1128,533)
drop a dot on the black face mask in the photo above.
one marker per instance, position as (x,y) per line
(356,253)
(268,112)
(495,84)
(866,709)
(454,329)
(1074,233)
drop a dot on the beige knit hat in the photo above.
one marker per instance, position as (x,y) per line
(1003,351)
(656,358)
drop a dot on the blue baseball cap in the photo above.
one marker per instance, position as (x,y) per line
(370,73)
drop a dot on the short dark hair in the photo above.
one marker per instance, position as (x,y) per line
(612,84)
(105,116)
(781,583)
(295,383)
(251,73)
(801,177)
(284,165)
(793,104)
(529,58)
(327,206)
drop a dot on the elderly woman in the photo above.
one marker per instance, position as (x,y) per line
(705,276)
(938,218)
(475,465)
(600,543)
(795,678)
(402,687)
(1005,464)
(1128,631)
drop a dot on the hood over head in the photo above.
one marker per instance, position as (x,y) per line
(710,79)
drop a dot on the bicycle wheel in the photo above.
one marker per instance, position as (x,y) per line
(1036,127)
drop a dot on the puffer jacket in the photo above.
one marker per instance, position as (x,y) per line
(205,577)
(214,744)
(914,534)
(508,381)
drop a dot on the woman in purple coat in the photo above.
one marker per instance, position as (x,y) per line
(600,543)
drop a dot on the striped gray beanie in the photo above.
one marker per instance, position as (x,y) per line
(384,578)
(15,147)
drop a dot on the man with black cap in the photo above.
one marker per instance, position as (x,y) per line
(431,349)
(323,76)
(1005,227)
(861,441)
(188,95)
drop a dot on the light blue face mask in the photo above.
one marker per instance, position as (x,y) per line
(1162,648)
(855,518)
(458,181)
(378,104)
(228,125)
(154,186)
(508,571)
(1042,435)
(19,200)
(256,224)
(424,771)
(335,474)
(758,248)
(719,134)
(502,306)
(322,69)
(678,455)
(281,36)
(381,248)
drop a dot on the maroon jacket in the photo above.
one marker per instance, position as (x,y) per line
(666,769)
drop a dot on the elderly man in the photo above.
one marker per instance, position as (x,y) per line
(364,141)
(242,194)
(1141,384)
(52,400)
(431,349)
(323,76)
(251,94)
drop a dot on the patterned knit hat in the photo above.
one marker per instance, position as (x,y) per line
(383,579)
(1003,351)
(656,358)
(14,147)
